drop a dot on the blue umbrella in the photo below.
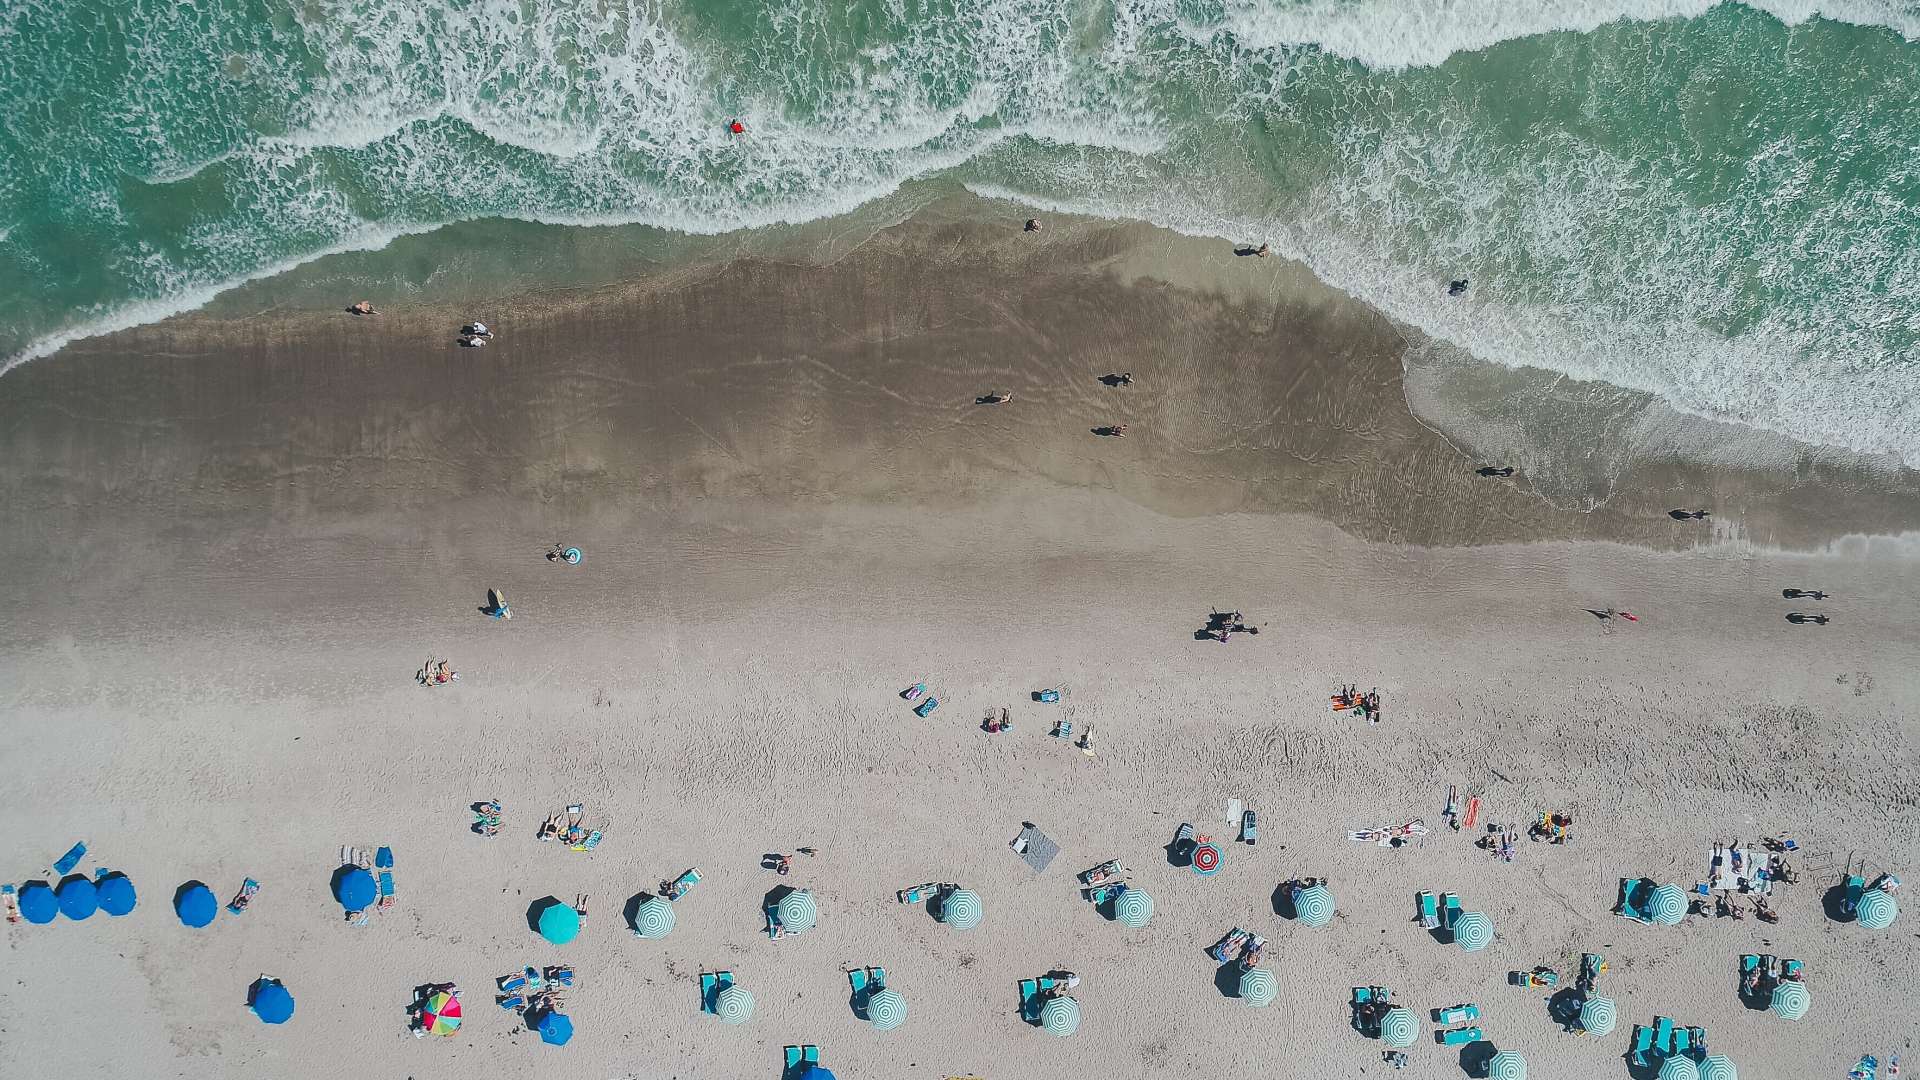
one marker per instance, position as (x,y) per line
(78,898)
(116,894)
(355,889)
(271,1001)
(559,923)
(556,1029)
(196,904)
(814,1072)
(38,904)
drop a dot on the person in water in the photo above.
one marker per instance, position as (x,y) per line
(994,398)
(735,127)
(1456,288)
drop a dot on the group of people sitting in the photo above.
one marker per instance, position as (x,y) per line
(568,828)
(1224,624)
(436,673)
(1554,828)
(475,334)
(1367,704)
(486,817)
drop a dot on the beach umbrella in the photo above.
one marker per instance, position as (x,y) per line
(1679,1068)
(559,923)
(271,1001)
(38,905)
(1258,987)
(1791,1000)
(556,1029)
(440,1015)
(814,1072)
(197,906)
(1133,908)
(733,1005)
(1313,905)
(797,911)
(1060,1016)
(1598,1016)
(886,1009)
(1667,905)
(355,889)
(1399,1029)
(79,899)
(1473,931)
(1718,1067)
(1206,859)
(1507,1065)
(654,918)
(961,909)
(1876,910)
(116,894)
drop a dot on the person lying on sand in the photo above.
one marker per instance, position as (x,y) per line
(994,398)
(364,307)
(1033,224)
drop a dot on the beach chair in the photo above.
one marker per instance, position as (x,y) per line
(677,888)
(926,706)
(588,843)
(1790,970)
(1249,828)
(711,983)
(244,897)
(384,860)
(360,918)
(1456,1014)
(1229,947)
(1682,1042)
(513,1002)
(1450,904)
(1663,1034)
(1429,911)
(1642,1051)
(915,894)
(1856,887)
(1032,993)
(1062,729)
(1624,908)
(1102,874)
(70,860)
(865,981)
(1592,966)
(10,900)
(799,1057)
(1697,1038)
(1460,1036)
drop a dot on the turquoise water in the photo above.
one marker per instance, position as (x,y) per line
(1717,203)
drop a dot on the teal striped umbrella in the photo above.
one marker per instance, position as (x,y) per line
(886,1010)
(1258,987)
(1679,1068)
(733,1005)
(1473,930)
(1876,910)
(961,909)
(1667,905)
(1313,905)
(797,911)
(1598,1016)
(1718,1067)
(1507,1065)
(1060,1016)
(1133,908)
(1791,1000)
(654,918)
(1399,1029)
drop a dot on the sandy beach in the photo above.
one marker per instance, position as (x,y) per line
(229,541)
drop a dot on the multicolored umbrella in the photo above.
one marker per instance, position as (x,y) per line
(1507,1065)
(797,911)
(78,897)
(1060,1016)
(1258,987)
(1598,1016)
(886,1009)
(1667,905)
(1206,859)
(116,894)
(1313,905)
(440,1014)
(733,1005)
(38,905)
(556,1029)
(355,888)
(1876,910)
(1133,908)
(1473,931)
(1399,1028)
(272,1002)
(1718,1067)
(1791,1000)
(654,918)
(196,905)
(961,909)
(1679,1068)
(559,923)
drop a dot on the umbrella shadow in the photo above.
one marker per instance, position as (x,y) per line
(1180,852)
(1227,979)
(1476,1056)
(1563,1007)
(1834,903)
(1283,899)
(541,907)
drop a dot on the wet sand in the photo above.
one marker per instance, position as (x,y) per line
(230,542)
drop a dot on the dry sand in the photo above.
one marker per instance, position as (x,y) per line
(230,543)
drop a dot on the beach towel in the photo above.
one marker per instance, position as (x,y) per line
(1035,848)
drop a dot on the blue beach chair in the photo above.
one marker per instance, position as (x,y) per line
(711,983)
(72,859)
(1642,1052)
(800,1058)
